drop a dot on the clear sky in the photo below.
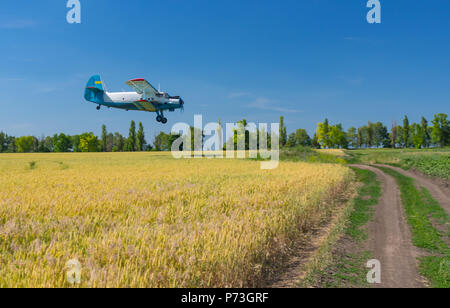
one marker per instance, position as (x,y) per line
(253,59)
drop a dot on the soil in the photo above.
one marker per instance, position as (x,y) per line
(390,238)
(438,188)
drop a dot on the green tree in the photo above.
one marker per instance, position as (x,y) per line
(36,145)
(141,138)
(381,135)
(75,139)
(267,141)
(61,143)
(441,130)
(400,135)
(338,137)
(46,145)
(302,137)
(25,144)
(109,142)
(283,133)
(118,143)
(3,143)
(417,135)
(161,142)
(426,132)
(323,131)
(370,135)
(291,141)
(406,132)
(131,142)
(171,140)
(201,136)
(315,142)
(352,137)
(89,143)
(393,135)
(104,138)
(361,137)
(11,141)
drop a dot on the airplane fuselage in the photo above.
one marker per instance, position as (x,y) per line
(134,101)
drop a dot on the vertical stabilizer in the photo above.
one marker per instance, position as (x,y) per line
(94,90)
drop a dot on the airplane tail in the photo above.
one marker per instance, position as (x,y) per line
(94,90)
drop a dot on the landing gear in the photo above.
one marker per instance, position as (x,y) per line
(160,118)
(98,107)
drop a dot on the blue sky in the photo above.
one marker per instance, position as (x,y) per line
(305,60)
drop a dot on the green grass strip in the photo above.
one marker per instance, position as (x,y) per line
(349,269)
(421,210)
(364,203)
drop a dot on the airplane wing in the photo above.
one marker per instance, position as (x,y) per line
(142,86)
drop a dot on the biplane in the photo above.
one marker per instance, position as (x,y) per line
(144,98)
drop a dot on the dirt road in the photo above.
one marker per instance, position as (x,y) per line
(439,189)
(390,237)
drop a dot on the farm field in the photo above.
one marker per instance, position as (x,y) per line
(432,162)
(148,220)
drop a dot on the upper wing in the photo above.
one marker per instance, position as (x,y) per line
(142,86)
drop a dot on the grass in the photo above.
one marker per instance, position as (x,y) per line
(436,165)
(148,220)
(307,154)
(349,271)
(348,268)
(368,198)
(335,152)
(432,162)
(421,212)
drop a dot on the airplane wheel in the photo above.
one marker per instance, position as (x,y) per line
(164,121)
(98,107)
(159,118)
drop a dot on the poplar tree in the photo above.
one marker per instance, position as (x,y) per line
(283,132)
(141,138)
(104,138)
(406,131)
(131,142)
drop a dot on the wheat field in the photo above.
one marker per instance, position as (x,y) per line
(148,220)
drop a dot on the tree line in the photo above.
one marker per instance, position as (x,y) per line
(372,135)
(86,142)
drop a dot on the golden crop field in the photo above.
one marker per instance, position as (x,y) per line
(148,220)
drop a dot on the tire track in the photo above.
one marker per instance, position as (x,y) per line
(390,237)
(439,192)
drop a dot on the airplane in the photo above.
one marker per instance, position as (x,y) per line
(144,98)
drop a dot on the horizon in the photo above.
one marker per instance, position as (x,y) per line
(253,60)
